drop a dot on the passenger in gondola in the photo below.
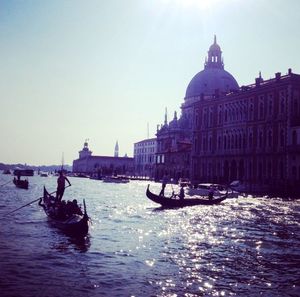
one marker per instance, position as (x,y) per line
(76,208)
(181,192)
(62,210)
(211,193)
(61,184)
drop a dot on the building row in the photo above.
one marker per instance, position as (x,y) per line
(225,132)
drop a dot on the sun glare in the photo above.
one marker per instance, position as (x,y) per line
(200,4)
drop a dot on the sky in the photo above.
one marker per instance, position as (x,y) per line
(106,70)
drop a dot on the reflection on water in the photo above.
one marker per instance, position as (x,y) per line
(243,247)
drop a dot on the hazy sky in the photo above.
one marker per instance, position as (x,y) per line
(102,70)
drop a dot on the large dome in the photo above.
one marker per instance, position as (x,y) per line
(213,77)
(210,79)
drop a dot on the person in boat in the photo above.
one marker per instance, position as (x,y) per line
(61,184)
(211,193)
(163,186)
(181,192)
(76,209)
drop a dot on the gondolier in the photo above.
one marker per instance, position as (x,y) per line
(61,184)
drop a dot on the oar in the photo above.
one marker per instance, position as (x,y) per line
(5,184)
(29,203)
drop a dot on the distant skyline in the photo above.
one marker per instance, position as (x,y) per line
(103,70)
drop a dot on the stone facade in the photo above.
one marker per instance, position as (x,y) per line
(102,165)
(144,157)
(252,135)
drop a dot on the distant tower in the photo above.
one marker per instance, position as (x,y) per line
(166,117)
(85,152)
(116,150)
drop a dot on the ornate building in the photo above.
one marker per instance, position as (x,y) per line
(250,133)
(174,139)
(102,165)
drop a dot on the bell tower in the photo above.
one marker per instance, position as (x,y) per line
(116,150)
(85,152)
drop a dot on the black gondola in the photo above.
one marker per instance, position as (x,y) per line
(173,203)
(74,224)
(21,183)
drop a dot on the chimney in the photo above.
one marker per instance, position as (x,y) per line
(277,76)
(257,81)
(289,71)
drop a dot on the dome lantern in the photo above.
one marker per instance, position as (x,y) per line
(213,77)
(214,59)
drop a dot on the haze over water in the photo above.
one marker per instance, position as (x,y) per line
(243,247)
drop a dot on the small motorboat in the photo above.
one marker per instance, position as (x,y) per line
(116,179)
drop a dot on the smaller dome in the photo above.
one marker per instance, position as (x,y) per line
(215,47)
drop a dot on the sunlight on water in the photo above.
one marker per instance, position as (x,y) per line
(242,247)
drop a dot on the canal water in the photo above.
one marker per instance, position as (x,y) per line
(243,247)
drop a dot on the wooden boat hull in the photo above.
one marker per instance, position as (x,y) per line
(23,184)
(76,225)
(173,203)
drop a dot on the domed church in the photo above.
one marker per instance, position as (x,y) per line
(174,138)
(229,133)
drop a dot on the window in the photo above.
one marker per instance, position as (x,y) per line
(270,138)
(281,138)
(294,138)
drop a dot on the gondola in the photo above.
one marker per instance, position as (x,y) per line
(173,203)
(75,224)
(21,183)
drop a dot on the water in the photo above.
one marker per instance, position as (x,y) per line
(243,247)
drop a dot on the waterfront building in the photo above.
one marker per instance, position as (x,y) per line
(144,157)
(102,165)
(174,139)
(173,148)
(249,133)
(252,135)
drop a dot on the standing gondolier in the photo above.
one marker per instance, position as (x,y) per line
(61,184)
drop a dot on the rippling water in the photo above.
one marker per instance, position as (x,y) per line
(243,247)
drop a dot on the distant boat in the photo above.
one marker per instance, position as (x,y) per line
(81,175)
(75,224)
(116,179)
(21,183)
(23,172)
(205,188)
(6,171)
(172,202)
(44,174)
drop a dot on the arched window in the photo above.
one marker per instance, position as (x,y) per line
(295,140)
(250,140)
(270,107)
(261,110)
(270,138)
(251,112)
(281,138)
(260,140)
